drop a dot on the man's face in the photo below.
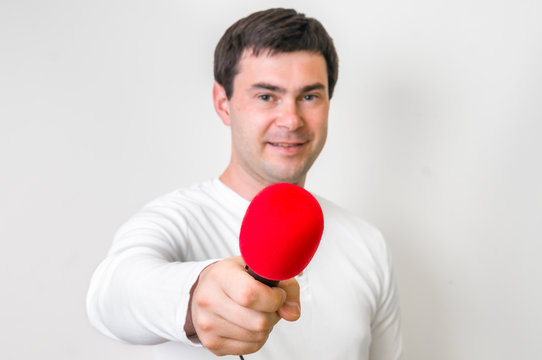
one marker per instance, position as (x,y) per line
(278,116)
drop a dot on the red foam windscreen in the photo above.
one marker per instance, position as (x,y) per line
(281,231)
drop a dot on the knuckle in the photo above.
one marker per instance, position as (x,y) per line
(261,336)
(211,343)
(280,297)
(204,324)
(291,286)
(246,296)
(202,300)
(254,347)
(262,324)
(212,273)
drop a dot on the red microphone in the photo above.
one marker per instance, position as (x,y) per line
(280,232)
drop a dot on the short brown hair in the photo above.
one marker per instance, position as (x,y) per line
(272,31)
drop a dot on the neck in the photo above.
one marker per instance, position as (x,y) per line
(246,185)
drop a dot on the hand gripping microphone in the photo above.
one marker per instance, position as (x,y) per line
(280,232)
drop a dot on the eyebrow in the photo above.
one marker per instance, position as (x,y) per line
(317,86)
(280,90)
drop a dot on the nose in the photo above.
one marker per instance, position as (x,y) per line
(290,116)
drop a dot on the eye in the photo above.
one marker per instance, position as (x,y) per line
(265,97)
(310,97)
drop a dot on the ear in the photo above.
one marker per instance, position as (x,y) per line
(221,103)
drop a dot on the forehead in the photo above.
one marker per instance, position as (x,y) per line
(294,68)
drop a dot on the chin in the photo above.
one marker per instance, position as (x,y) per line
(292,178)
(287,173)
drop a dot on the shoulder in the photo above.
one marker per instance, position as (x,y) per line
(357,250)
(173,222)
(352,232)
(337,216)
(210,195)
(182,207)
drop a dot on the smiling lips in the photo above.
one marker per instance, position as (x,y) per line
(288,148)
(285,145)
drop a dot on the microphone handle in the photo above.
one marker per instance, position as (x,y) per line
(271,283)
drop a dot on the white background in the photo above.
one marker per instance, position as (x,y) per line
(434,138)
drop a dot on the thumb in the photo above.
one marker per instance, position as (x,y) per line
(290,310)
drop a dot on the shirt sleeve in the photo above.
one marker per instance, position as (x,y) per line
(387,343)
(140,292)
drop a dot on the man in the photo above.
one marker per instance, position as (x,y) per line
(174,278)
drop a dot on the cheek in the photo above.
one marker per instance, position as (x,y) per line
(322,137)
(252,124)
(319,123)
(324,131)
(245,132)
(320,134)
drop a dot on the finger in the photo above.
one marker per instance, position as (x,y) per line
(248,292)
(220,327)
(246,318)
(243,347)
(238,260)
(291,309)
(225,346)
(257,318)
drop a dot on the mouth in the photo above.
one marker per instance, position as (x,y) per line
(287,148)
(285,145)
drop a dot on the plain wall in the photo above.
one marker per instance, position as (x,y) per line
(434,137)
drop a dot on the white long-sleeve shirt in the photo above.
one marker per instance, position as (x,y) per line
(139,294)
